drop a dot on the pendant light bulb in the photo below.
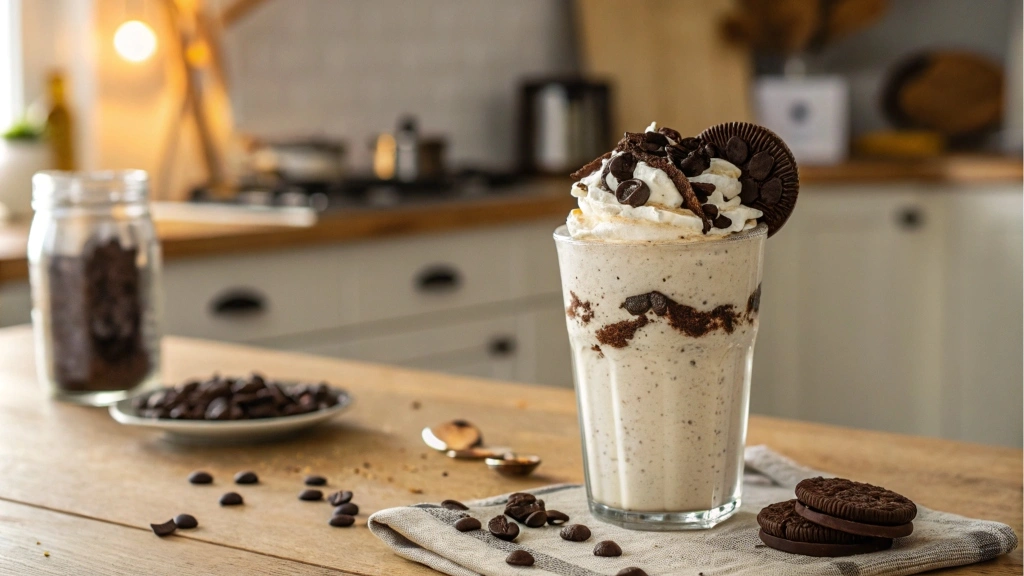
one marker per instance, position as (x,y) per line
(135,41)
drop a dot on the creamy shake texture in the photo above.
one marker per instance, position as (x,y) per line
(661,273)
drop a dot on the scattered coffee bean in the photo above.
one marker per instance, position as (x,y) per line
(633,192)
(517,498)
(771,191)
(164,529)
(521,512)
(311,495)
(341,520)
(710,210)
(575,533)
(347,508)
(200,477)
(502,529)
(185,521)
(722,222)
(454,505)
(622,165)
(315,481)
(760,165)
(231,499)
(736,150)
(340,497)
(467,524)
(520,557)
(631,571)
(537,519)
(608,549)
(246,477)
(556,518)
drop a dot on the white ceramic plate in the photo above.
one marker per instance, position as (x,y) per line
(230,431)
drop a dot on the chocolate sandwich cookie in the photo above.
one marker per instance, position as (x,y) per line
(768,174)
(855,507)
(783,529)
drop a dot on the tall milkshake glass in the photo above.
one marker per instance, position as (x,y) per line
(662,337)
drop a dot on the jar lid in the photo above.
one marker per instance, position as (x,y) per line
(59,188)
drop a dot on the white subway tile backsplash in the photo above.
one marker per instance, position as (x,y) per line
(349,68)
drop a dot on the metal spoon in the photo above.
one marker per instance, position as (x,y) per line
(513,464)
(454,435)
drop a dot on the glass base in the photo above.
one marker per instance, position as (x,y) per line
(664,521)
(97,398)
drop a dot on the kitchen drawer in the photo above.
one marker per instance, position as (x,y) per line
(245,298)
(537,260)
(411,276)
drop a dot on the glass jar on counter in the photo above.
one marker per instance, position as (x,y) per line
(94,265)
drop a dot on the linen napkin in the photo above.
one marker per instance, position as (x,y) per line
(424,533)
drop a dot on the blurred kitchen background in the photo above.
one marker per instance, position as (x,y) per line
(379,179)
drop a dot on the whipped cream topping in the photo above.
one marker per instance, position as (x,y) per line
(600,216)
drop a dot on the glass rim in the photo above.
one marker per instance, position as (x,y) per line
(94,187)
(561,235)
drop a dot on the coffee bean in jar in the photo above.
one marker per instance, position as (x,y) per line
(94,264)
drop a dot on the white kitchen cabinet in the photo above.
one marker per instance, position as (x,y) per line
(15,303)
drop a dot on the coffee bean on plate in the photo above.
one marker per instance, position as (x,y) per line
(537,519)
(608,549)
(347,508)
(341,520)
(633,192)
(246,477)
(502,529)
(467,524)
(631,571)
(556,518)
(231,499)
(454,505)
(185,521)
(575,533)
(164,529)
(315,480)
(200,477)
(519,558)
(340,497)
(311,495)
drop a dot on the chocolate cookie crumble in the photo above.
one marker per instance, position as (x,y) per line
(576,306)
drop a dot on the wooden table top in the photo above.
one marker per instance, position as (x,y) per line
(79,491)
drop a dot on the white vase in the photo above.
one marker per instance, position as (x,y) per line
(19,160)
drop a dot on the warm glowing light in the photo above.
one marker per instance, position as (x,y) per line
(134,41)
(384,157)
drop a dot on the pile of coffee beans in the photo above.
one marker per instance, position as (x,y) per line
(220,398)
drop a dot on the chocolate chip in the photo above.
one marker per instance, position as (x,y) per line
(637,305)
(502,529)
(200,477)
(246,478)
(694,164)
(537,519)
(712,151)
(556,518)
(673,134)
(706,188)
(656,138)
(736,150)
(185,521)
(164,529)
(467,524)
(608,549)
(690,143)
(341,520)
(622,165)
(710,210)
(771,191)
(659,303)
(340,497)
(315,481)
(748,191)
(632,571)
(760,165)
(575,533)
(231,499)
(347,508)
(722,222)
(454,505)
(311,495)
(633,192)
(676,154)
(519,558)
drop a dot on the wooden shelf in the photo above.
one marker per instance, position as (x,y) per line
(951,169)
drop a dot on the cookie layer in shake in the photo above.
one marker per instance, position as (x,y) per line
(661,272)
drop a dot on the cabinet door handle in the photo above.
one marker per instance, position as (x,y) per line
(910,218)
(501,346)
(239,302)
(438,278)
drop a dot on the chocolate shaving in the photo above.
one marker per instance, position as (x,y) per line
(754,303)
(686,319)
(619,334)
(590,167)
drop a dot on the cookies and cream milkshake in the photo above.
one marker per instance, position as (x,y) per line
(661,272)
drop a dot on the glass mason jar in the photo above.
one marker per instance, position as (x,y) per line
(94,264)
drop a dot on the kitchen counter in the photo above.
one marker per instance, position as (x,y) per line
(79,490)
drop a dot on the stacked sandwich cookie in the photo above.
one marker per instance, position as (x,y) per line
(837,517)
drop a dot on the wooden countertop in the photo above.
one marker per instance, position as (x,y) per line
(541,199)
(83,489)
